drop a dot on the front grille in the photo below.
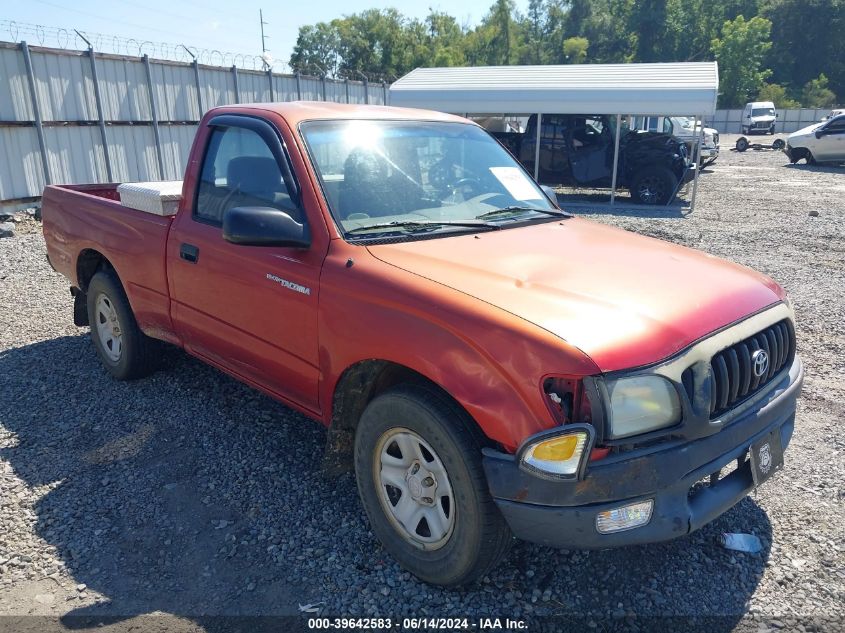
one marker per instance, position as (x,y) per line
(733,369)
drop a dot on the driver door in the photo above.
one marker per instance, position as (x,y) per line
(831,145)
(590,141)
(251,310)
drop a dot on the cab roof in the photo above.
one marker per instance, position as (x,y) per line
(296,111)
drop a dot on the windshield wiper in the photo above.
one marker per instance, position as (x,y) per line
(424,224)
(517,209)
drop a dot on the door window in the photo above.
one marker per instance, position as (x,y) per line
(837,126)
(239,170)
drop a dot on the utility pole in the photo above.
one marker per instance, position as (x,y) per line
(263,40)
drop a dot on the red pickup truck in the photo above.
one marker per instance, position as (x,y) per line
(489,365)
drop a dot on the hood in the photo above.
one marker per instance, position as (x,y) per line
(623,299)
(650,139)
(805,131)
(764,118)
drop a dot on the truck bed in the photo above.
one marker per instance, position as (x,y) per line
(88,222)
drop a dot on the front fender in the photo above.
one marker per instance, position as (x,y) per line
(491,362)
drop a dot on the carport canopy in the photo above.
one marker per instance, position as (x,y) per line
(682,88)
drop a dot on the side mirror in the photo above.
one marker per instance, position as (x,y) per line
(264,226)
(777,115)
(819,133)
(551,193)
(747,116)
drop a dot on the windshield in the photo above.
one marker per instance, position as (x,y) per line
(412,176)
(763,112)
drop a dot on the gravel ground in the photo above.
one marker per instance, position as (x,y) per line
(189,494)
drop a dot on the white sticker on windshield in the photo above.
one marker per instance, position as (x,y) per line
(516,182)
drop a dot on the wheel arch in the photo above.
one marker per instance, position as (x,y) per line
(88,263)
(357,386)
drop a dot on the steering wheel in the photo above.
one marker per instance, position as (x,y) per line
(472,184)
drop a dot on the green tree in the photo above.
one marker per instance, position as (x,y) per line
(575,49)
(816,94)
(316,50)
(777,95)
(806,40)
(740,52)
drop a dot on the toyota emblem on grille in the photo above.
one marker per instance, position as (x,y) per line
(761,362)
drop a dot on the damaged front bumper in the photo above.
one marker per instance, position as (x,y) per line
(564,513)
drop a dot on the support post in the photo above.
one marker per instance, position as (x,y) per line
(101,117)
(384,90)
(36,109)
(366,91)
(199,88)
(270,79)
(237,85)
(154,114)
(298,87)
(537,147)
(346,83)
(323,82)
(697,161)
(615,160)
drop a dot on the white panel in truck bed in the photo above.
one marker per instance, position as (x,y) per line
(161,198)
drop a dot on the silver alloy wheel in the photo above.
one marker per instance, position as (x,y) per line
(108,328)
(414,489)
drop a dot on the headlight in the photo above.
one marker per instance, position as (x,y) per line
(641,404)
(558,455)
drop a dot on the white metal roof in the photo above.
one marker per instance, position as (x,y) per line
(683,88)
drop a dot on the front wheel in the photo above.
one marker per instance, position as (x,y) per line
(125,351)
(420,479)
(653,185)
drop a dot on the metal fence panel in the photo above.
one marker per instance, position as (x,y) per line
(218,87)
(14,90)
(123,85)
(21,174)
(311,88)
(175,90)
(284,88)
(133,153)
(64,86)
(75,154)
(176,141)
(254,86)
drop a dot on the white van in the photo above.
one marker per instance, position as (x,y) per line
(759,116)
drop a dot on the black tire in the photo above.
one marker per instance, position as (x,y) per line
(772,130)
(741,144)
(653,185)
(479,537)
(778,144)
(135,356)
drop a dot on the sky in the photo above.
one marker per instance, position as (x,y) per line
(214,24)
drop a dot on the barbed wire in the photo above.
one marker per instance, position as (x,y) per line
(73,39)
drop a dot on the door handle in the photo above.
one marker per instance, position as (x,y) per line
(189,253)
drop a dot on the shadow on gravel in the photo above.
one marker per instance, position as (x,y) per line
(629,211)
(830,168)
(190,494)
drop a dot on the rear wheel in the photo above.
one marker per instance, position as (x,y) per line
(420,479)
(124,350)
(653,185)
(741,144)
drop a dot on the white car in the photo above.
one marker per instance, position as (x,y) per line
(833,114)
(759,116)
(820,142)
